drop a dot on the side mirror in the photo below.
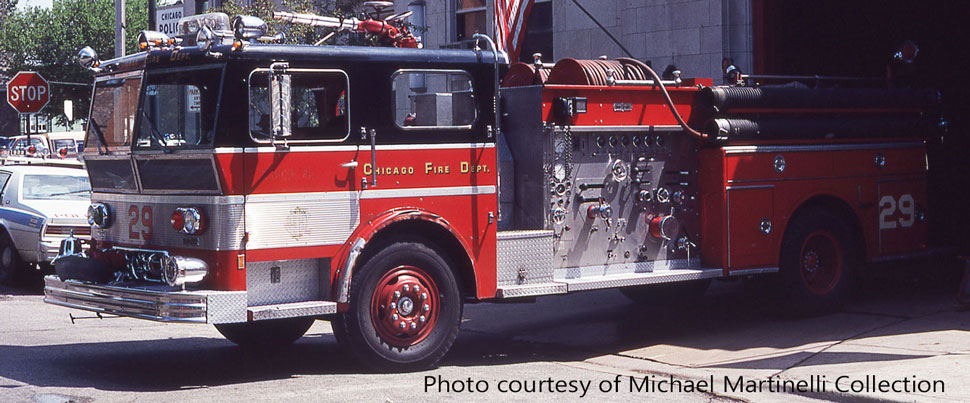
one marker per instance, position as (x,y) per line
(279,95)
(88,59)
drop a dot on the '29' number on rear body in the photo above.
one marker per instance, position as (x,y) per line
(888,206)
(140,224)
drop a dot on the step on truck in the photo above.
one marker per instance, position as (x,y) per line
(259,187)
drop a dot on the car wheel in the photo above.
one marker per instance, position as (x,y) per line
(10,265)
(817,263)
(266,333)
(405,309)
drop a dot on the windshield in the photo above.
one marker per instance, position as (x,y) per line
(179,108)
(56,187)
(113,111)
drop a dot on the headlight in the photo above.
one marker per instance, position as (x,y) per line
(188,220)
(99,215)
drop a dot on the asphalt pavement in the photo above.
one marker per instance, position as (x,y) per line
(901,339)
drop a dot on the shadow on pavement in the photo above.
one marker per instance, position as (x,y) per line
(560,328)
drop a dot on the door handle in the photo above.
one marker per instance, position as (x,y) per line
(351,164)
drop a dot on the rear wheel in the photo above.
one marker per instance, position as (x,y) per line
(10,265)
(405,309)
(267,333)
(818,261)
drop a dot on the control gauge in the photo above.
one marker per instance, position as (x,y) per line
(559,171)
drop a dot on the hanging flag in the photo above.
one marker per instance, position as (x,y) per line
(510,17)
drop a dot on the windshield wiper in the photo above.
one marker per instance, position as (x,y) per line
(101,140)
(154,132)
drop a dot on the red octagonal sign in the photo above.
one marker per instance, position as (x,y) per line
(28,92)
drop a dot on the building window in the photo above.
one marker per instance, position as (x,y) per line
(538,33)
(470,18)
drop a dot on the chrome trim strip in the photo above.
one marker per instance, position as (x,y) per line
(335,148)
(166,199)
(638,128)
(428,192)
(819,147)
(285,197)
(343,290)
(634,279)
(748,272)
(749,187)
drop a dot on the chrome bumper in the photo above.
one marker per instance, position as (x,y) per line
(159,303)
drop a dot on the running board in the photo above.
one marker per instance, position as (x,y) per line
(531,290)
(634,279)
(291,310)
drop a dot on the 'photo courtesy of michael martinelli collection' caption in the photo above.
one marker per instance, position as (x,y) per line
(660,384)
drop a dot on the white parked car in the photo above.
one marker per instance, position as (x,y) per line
(39,206)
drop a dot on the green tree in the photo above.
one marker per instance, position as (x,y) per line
(47,41)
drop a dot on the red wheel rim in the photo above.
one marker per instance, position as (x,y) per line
(405,306)
(820,262)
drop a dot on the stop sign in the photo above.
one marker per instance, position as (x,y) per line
(28,92)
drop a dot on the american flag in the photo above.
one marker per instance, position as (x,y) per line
(510,17)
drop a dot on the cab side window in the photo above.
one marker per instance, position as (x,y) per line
(433,99)
(318,100)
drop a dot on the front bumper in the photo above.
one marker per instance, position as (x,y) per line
(152,302)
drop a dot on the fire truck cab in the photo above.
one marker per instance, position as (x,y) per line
(259,187)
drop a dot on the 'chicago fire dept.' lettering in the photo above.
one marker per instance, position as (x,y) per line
(429,169)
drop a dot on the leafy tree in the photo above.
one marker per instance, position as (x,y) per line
(47,41)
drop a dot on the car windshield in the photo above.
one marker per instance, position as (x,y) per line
(56,187)
(179,108)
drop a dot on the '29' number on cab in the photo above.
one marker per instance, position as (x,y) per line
(888,206)
(140,224)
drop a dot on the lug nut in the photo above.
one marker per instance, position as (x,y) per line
(424,295)
(417,288)
(407,288)
(414,325)
(393,305)
(397,294)
(403,325)
(394,317)
(421,319)
(427,307)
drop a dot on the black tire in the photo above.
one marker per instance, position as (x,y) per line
(266,333)
(667,294)
(370,328)
(818,264)
(11,267)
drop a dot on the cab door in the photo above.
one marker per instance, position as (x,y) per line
(305,173)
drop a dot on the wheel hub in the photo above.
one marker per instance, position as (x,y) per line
(811,262)
(404,306)
(821,262)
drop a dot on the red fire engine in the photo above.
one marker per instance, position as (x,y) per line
(259,187)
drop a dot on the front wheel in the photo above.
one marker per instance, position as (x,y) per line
(267,333)
(10,265)
(817,263)
(405,309)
